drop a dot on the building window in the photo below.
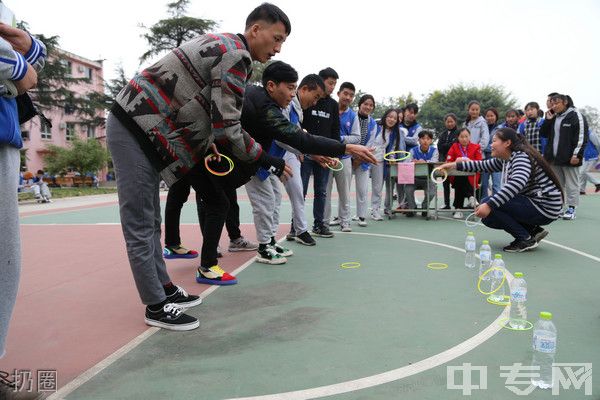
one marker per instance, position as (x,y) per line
(25,135)
(70,134)
(91,132)
(89,73)
(46,130)
(68,67)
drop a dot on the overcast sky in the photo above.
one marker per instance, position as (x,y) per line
(386,48)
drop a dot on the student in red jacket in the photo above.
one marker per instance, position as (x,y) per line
(464,150)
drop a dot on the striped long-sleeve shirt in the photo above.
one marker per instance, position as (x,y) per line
(517,179)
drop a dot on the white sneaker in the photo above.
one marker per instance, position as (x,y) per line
(355,218)
(458,215)
(336,221)
(375,216)
(473,202)
(362,222)
(345,228)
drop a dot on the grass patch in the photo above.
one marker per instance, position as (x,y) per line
(59,193)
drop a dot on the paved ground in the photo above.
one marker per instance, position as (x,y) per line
(309,328)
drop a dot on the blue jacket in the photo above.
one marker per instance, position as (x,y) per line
(13,67)
(591,151)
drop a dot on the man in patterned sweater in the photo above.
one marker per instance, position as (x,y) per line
(162,125)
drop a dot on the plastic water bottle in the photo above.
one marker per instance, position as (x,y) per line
(497,279)
(544,347)
(485,259)
(470,247)
(518,296)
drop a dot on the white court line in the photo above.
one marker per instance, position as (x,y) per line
(395,374)
(96,369)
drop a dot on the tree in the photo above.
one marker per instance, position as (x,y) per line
(383,105)
(83,156)
(257,72)
(54,81)
(456,98)
(593,117)
(169,33)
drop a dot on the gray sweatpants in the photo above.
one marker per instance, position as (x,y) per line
(342,182)
(376,187)
(295,191)
(10,241)
(569,179)
(585,175)
(362,190)
(265,198)
(139,206)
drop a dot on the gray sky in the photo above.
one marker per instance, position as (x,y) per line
(386,48)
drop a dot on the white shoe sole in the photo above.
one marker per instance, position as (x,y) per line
(271,261)
(172,327)
(190,304)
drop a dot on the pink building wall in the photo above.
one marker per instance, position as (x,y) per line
(62,120)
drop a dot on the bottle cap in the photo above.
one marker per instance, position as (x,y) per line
(498,256)
(486,242)
(546,315)
(518,274)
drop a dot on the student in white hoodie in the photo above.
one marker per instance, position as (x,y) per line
(477,125)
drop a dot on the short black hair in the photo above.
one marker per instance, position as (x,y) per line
(412,106)
(532,104)
(426,133)
(278,72)
(312,81)
(40,172)
(347,85)
(553,94)
(269,13)
(520,112)
(328,73)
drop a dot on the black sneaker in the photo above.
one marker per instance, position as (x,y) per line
(519,246)
(539,233)
(290,236)
(183,299)
(305,239)
(322,231)
(171,317)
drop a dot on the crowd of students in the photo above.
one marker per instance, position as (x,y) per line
(174,114)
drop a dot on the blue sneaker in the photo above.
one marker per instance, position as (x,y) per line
(171,252)
(569,214)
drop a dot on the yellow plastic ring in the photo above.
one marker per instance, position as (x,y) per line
(504,323)
(340,163)
(434,179)
(487,272)
(210,157)
(471,224)
(350,265)
(437,265)
(500,303)
(406,155)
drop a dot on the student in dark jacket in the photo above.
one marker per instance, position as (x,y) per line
(446,139)
(322,120)
(565,129)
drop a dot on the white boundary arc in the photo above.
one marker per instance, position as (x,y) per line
(399,373)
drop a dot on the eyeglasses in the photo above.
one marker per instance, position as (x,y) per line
(555,100)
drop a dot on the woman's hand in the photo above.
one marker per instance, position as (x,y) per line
(483,210)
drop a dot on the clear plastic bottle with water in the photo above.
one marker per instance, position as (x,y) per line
(518,297)
(470,248)
(485,259)
(545,340)
(498,279)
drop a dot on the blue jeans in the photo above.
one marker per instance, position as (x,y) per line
(518,217)
(321,175)
(485,179)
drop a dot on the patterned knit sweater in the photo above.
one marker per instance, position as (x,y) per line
(191,97)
